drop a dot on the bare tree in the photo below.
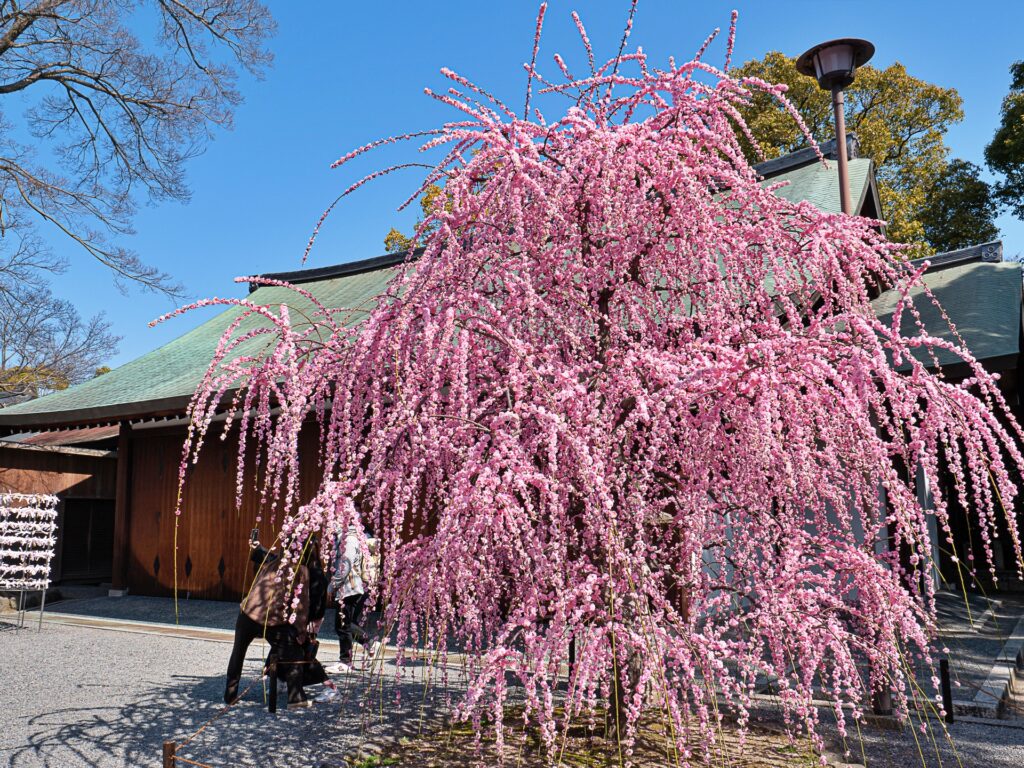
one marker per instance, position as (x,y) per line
(44,343)
(108,119)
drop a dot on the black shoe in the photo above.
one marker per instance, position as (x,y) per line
(231,694)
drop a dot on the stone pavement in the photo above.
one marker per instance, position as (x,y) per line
(985,637)
(213,614)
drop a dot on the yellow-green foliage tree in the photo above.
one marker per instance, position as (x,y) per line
(899,120)
(395,240)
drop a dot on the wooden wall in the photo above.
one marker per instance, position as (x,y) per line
(69,473)
(212,534)
(81,474)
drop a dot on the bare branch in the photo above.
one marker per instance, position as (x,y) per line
(44,343)
(120,115)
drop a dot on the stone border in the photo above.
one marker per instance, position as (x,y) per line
(137,626)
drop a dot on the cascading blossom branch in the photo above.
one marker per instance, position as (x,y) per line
(629,398)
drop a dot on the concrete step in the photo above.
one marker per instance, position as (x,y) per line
(1013,708)
(1016,687)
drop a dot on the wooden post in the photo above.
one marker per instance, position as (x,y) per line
(122,508)
(882,702)
(169,749)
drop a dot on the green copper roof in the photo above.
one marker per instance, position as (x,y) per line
(162,381)
(819,184)
(984,302)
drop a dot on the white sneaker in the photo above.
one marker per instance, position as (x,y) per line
(326,696)
(340,668)
(373,649)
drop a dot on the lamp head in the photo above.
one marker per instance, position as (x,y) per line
(834,63)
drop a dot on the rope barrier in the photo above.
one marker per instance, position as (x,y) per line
(171,758)
(170,755)
(223,711)
(171,748)
(178,759)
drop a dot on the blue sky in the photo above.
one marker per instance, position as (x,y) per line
(347,73)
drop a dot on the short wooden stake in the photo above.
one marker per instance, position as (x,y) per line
(947,690)
(169,749)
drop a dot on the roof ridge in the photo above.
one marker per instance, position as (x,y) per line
(806,156)
(346,269)
(990,252)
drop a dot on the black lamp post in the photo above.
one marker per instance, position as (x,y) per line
(833,65)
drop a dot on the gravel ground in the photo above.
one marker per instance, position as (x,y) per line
(968,744)
(76,696)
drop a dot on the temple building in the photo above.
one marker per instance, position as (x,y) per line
(111,447)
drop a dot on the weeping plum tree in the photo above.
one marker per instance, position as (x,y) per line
(629,398)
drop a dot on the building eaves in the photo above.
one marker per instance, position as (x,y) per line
(297,277)
(66,437)
(64,450)
(163,381)
(983,299)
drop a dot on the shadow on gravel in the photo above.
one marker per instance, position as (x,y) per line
(245,735)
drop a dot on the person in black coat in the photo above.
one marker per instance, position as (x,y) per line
(264,613)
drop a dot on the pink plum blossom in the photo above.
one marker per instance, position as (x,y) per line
(630,399)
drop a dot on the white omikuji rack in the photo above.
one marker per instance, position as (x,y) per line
(28,537)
